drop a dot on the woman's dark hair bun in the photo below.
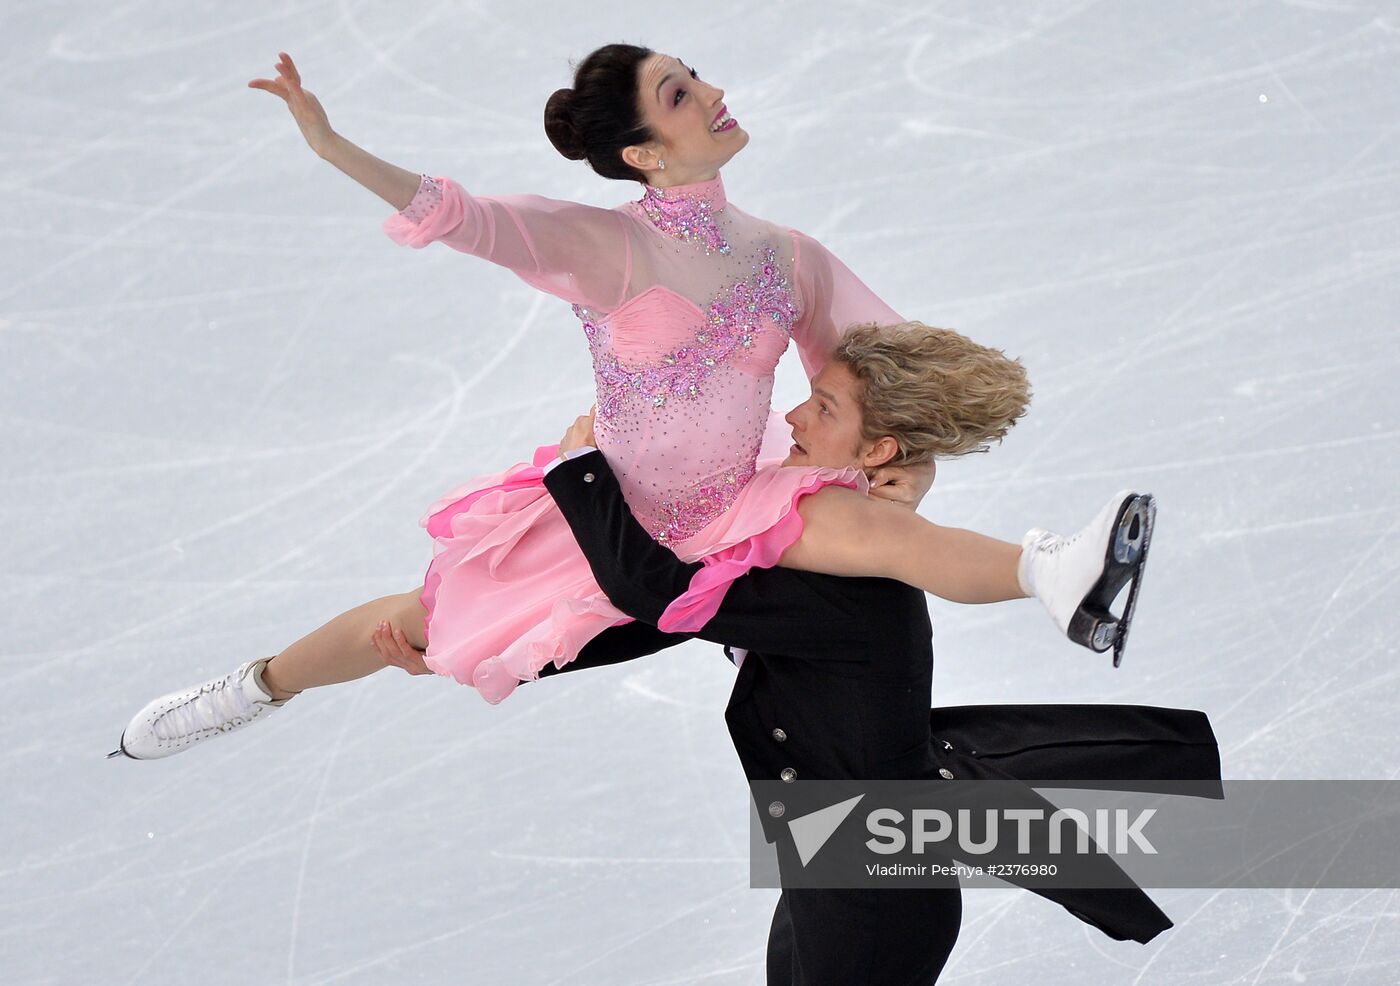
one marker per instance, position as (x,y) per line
(559,125)
(601,115)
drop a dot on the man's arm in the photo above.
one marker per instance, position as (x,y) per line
(619,644)
(766,610)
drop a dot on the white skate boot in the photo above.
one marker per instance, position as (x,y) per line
(1077,578)
(175,722)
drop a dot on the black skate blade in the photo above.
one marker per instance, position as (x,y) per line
(116,753)
(1149,516)
(1093,625)
(1094,628)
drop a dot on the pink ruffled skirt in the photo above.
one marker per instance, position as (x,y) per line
(508,590)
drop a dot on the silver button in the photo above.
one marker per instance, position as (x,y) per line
(588,477)
(780,736)
(788,775)
(945,773)
(776,809)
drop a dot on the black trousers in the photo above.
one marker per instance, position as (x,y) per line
(895,937)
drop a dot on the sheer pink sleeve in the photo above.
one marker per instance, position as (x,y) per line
(576,252)
(833,299)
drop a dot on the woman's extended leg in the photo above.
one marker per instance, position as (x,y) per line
(1076,578)
(848,533)
(342,649)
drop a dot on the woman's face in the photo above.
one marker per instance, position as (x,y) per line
(826,427)
(695,135)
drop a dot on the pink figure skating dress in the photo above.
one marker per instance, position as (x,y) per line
(686,303)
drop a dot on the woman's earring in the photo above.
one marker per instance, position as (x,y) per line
(661,165)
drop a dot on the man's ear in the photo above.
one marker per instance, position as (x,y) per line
(882,451)
(640,156)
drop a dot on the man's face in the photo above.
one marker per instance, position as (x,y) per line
(826,426)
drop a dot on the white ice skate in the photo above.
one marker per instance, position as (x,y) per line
(1077,578)
(173,723)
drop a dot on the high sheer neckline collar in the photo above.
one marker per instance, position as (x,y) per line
(687,212)
(711,191)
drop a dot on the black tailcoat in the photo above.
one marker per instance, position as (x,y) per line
(836,686)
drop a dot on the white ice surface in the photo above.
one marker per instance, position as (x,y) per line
(227,398)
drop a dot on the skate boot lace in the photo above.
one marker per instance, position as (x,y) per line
(218,704)
(1049,543)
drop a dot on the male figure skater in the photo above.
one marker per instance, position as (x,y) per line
(835,686)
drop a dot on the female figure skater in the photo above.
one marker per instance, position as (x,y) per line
(687,303)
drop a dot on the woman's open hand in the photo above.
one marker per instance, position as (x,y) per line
(306,108)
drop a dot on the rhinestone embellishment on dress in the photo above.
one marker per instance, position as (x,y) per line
(734,318)
(681,389)
(684,518)
(686,215)
(424,201)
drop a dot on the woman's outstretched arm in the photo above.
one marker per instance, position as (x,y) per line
(391,183)
(576,252)
(848,533)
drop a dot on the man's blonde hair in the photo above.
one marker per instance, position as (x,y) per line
(935,392)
